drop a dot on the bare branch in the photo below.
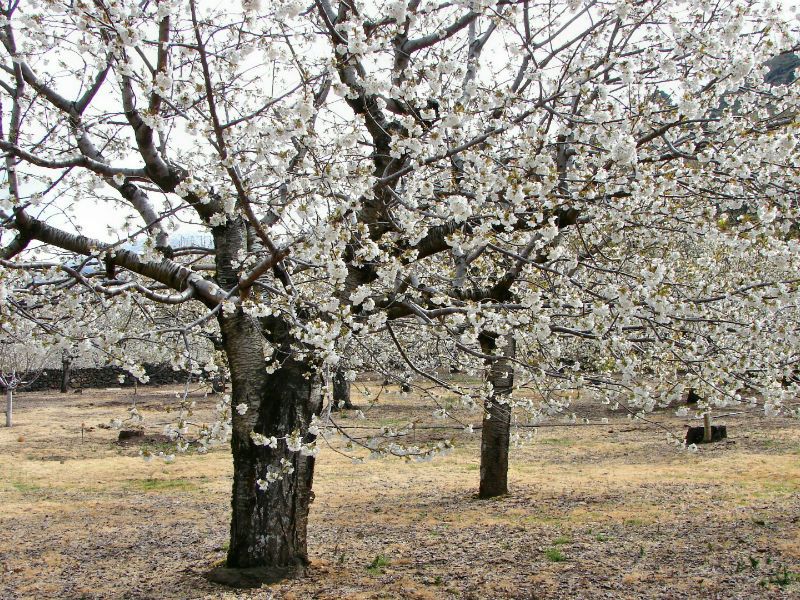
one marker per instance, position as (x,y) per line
(95,166)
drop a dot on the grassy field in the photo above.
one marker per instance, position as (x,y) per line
(600,511)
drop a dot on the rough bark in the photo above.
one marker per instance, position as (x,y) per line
(268,527)
(496,431)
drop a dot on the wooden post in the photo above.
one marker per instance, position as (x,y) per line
(9,406)
(707,433)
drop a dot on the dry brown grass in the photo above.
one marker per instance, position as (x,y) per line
(630,516)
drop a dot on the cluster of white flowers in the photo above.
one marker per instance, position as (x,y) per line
(262,440)
(275,473)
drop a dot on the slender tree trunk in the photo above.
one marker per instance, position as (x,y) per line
(341,391)
(268,527)
(496,431)
(66,363)
(9,407)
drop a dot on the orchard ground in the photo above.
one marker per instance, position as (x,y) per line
(599,511)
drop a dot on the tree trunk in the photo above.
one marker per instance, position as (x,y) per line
(66,363)
(9,407)
(268,527)
(341,391)
(496,430)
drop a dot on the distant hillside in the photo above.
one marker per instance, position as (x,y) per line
(180,239)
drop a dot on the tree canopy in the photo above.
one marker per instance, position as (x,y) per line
(593,194)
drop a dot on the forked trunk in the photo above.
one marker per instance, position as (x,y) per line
(268,526)
(496,431)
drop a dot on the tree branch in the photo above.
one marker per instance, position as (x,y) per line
(76,161)
(166,271)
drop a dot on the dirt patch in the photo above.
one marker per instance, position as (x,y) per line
(148,439)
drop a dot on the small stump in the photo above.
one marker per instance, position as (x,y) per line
(694,435)
(127,434)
